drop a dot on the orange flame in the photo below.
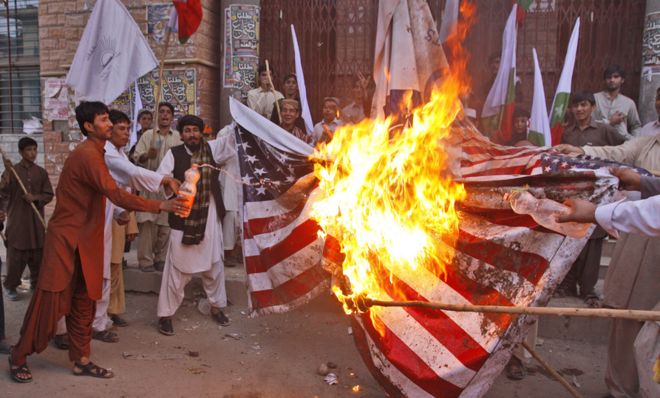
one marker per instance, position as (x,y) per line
(390,198)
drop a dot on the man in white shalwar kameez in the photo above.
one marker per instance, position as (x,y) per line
(196,242)
(127,175)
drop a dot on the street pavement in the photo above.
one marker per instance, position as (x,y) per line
(269,356)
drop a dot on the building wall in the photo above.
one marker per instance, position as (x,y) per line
(61,24)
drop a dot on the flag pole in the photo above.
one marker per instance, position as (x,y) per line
(362,303)
(552,371)
(161,68)
(20,182)
(159,85)
(272,86)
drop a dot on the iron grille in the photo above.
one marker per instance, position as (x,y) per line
(20,97)
(337,38)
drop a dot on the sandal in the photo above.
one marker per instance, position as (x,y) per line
(105,336)
(92,370)
(20,374)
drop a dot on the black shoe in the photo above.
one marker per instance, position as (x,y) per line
(105,336)
(220,317)
(12,295)
(165,326)
(118,321)
(61,341)
(159,265)
(4,347)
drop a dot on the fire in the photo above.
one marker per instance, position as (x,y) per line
(389,196)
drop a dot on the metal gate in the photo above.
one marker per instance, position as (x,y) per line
(337,39)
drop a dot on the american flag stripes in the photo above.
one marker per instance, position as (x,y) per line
(500,258)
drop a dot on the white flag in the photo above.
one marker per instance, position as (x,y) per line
(449,19)
(539,124)
(404,57)
(136,111)
(504,83)
(173,23)
(302,89)
(560,101)
(112,54)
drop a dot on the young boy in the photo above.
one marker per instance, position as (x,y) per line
(324,129)
(520,128)
(25,231)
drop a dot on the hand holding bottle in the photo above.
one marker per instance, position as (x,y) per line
(545,212)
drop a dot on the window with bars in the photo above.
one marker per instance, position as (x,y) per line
(20,97)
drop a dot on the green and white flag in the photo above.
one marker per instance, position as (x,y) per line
(497,114)
(562,95)
(539,124)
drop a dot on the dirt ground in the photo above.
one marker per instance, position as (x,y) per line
(270,356)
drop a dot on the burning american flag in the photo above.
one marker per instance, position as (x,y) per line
(415,208)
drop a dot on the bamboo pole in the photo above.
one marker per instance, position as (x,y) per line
(20,182)
(159,85)
(362,303)
(272,86)
(552,371)
(161,69)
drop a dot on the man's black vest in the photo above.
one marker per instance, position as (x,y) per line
(181,164)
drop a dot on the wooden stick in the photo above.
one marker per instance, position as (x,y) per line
(552,371)
(638,315)
(161,69)
(272,86)
(159,85)
(20,182)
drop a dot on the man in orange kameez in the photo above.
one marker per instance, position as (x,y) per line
(72,266)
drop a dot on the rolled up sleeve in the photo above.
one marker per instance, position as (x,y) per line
(637,217)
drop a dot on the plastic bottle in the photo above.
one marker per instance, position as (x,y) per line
(544,211)
(188,190)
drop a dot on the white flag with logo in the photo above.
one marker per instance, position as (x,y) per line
(112,54)
(407,55)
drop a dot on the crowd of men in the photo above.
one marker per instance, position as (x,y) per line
(78,295)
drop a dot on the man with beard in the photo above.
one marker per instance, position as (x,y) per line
(614,108)
(71,271)
(196,242)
